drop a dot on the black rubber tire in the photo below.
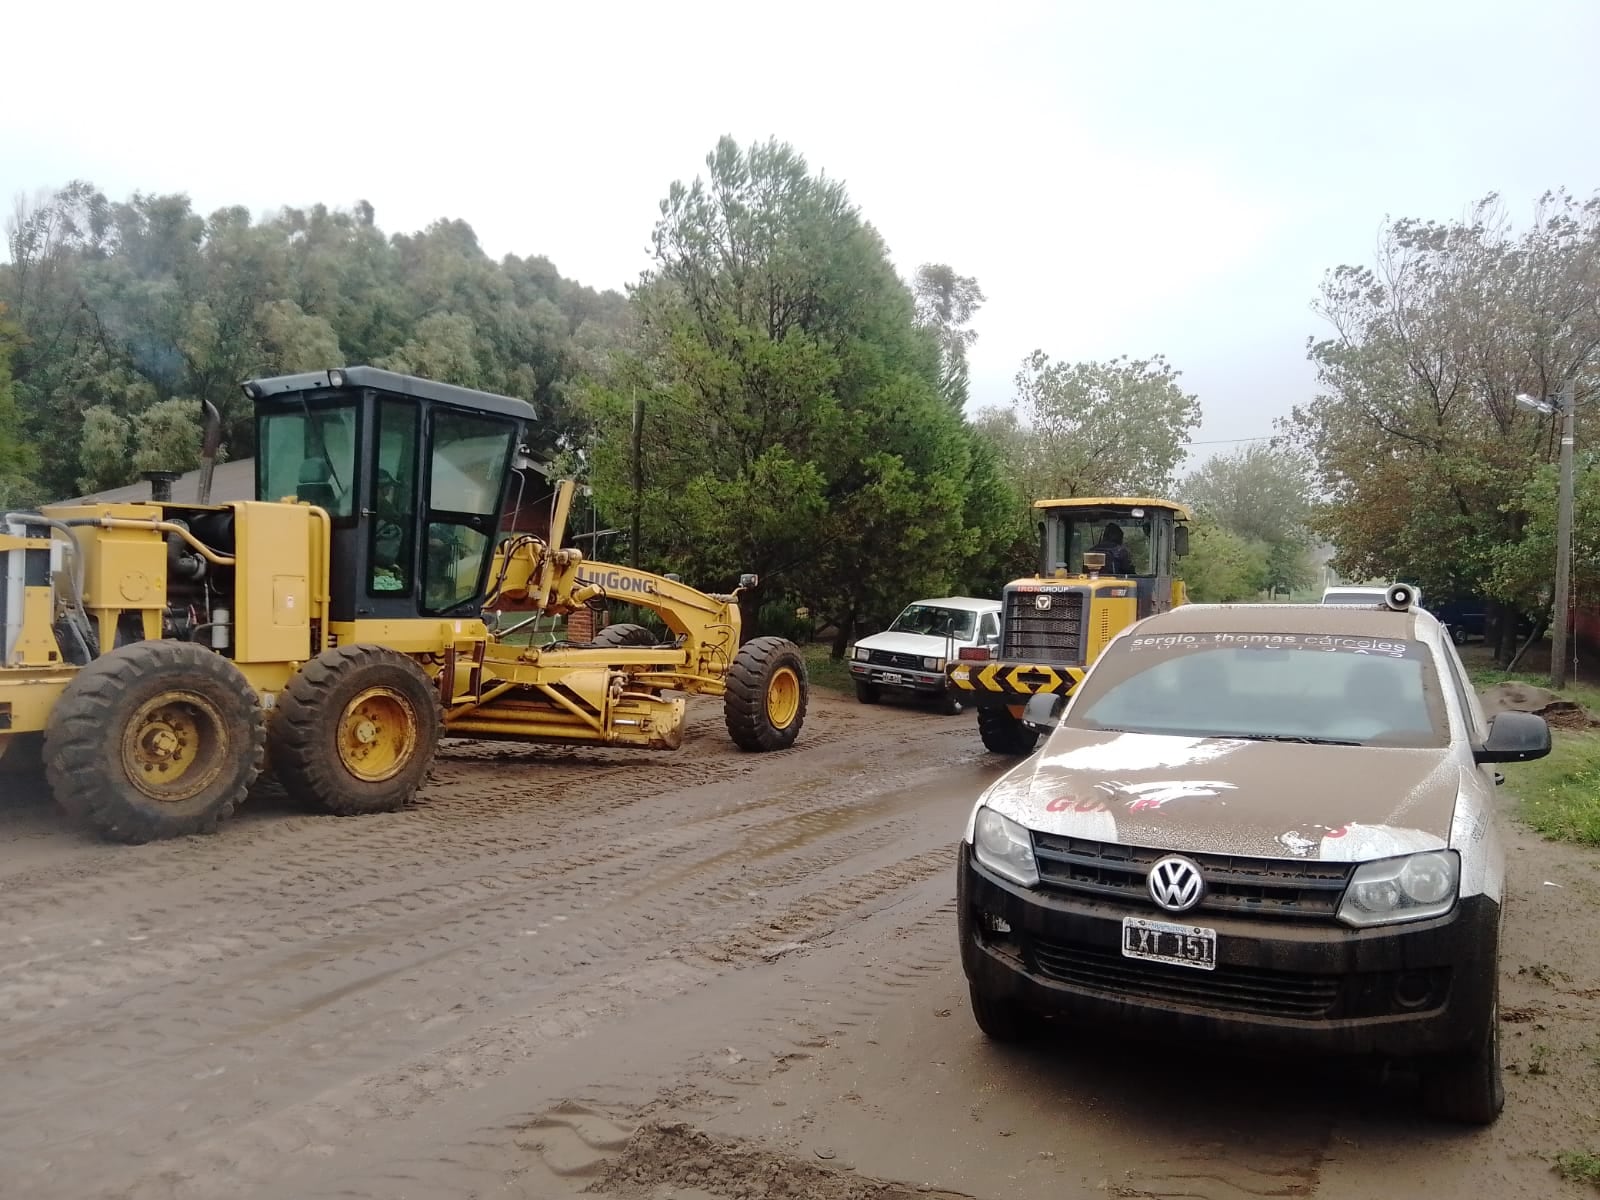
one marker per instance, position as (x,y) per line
(1004,734)
(88,739)
(1001,1019)
(624,635)
(744,704)
(867,693)
(952,702)
(1468,1089)
(1458,635)
(304,735)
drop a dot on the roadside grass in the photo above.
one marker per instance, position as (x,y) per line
(824,670)
(1579,1167)
(1560,794)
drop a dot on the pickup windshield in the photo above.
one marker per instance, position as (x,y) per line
(1279,687)
(935,621)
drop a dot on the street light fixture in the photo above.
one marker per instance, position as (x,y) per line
(1565,404)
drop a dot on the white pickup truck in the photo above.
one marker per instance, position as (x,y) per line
(910,655)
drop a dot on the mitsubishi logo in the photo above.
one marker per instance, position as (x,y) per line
(1042,603)
(1176,884)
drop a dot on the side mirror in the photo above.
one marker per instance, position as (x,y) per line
(1514,737)
(1043,711)
(1180,541)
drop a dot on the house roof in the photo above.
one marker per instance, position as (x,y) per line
(229,481)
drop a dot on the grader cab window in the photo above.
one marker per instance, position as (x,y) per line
(394,498)
(309,453)
(470,457)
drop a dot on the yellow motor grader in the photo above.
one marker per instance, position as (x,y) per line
(159,656)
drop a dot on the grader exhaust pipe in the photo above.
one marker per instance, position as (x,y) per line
(209,449)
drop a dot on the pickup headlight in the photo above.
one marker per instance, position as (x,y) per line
(933,664)
(1004,847)
(861,654)
(1411,888)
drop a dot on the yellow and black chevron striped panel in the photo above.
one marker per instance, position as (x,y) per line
(1014,679)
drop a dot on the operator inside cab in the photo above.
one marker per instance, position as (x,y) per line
(389,545)
(1119,559)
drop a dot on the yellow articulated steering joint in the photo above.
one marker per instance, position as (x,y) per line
(159,657)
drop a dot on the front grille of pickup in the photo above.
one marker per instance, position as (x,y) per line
(1231,989)
(1051,635)
(883,658)
(1268,887)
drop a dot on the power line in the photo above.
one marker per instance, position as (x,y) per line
(1229,441)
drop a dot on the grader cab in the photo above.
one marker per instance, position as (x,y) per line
(161,656)
(1103,564)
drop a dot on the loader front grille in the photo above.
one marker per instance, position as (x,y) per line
(1043,635)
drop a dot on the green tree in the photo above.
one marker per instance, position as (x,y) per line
(795,425)
(946,303)
(127,304)
(1423,454)
(1222,566)
(103,453)
(167,435)
(1260,493)
(17,457)
(1087,429)
(1524,572)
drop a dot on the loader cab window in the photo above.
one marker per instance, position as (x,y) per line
(394,499)
(308,452)
(1070,533)
(470,456)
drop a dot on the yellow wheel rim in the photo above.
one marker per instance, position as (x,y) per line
(175,746)
(783,697)
(377,734)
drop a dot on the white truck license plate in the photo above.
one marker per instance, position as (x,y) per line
(891,677)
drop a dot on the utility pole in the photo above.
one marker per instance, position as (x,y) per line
(1558,640)
(638,475)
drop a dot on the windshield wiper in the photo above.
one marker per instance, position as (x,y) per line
(1303,738)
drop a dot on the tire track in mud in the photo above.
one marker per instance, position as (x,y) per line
(52,984)
(480,914)
(371,853)
(825,1019)
(479,801)
(254,1154)
(487,945)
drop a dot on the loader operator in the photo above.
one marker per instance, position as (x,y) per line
(1119,559)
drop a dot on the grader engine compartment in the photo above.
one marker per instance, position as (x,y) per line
(162,656)
(235,578)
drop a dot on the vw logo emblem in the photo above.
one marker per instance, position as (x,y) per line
(1042,603)
(1176,884)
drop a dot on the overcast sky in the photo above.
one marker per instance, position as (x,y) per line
(1122,178)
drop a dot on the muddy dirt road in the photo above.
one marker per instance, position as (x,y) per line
(705,974)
